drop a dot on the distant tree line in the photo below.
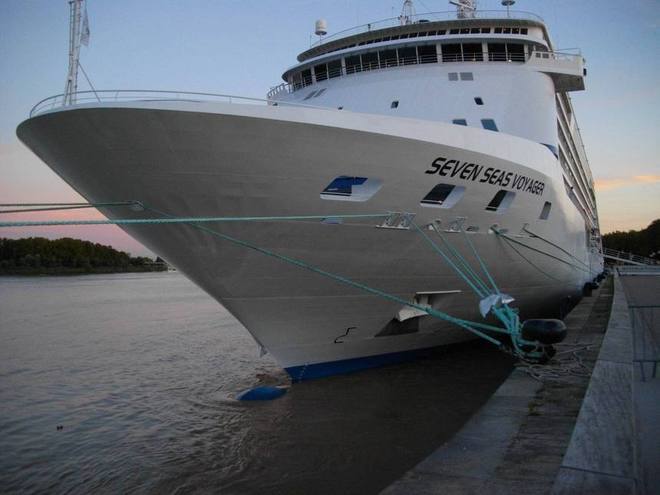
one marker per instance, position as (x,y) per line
(37,255)
(645,242)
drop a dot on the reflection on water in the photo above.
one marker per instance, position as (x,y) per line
(141,371)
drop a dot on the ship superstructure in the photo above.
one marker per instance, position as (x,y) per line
(450,124)
(490,69)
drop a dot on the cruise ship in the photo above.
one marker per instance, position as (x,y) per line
(410,182)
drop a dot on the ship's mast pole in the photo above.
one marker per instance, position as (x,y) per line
(407,13)
(75,17)
(465,9)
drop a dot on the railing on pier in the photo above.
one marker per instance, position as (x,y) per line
(642,262)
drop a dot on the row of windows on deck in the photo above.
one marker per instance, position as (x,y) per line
(409,55)
(440,32)
(349,188)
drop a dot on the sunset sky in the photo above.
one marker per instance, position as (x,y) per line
(241,47)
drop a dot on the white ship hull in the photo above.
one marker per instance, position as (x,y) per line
(189,159)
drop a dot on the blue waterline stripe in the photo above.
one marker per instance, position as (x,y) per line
(320,370)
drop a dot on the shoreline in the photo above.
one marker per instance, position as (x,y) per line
(59,272)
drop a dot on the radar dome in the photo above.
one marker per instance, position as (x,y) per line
(321,27)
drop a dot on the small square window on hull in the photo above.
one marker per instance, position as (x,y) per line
(443,196)
(501,201)
(349,188)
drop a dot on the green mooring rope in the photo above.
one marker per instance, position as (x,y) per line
(466,324)
(174,220)
(461,266)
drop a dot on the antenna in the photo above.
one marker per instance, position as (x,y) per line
(508,4)
(76,37)
(407,13)
(465,9)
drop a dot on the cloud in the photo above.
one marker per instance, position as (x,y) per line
(621,182)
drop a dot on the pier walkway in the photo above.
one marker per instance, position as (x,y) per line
(584,424)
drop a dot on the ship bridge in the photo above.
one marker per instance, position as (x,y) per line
(436,38)
(476,68)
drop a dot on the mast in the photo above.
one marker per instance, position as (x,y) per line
(75,34)
(465,9)
(407,13)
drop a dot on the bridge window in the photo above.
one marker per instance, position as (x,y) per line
(459,121)
(515,52)
(387,58)
(501,201)
(478,100)
(453,76)
(334,68)
(427,54)
(472,52)
(408,55)
(297,80)
(370,61)
(347,188)
(452,52)
(353,64)
(443,196)
(501,52)
(497,52)
(321,72)
(394,104)
(307,77)
(467,76)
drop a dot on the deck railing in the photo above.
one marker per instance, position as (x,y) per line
(134,95)
(430,17)
(423,59)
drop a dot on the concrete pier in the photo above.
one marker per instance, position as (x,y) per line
(568,427)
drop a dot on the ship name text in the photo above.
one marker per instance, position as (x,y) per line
(479,173)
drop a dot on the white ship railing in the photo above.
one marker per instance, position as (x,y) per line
(430,17)
(535,57)
(126,95)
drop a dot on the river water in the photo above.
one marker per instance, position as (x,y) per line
(140,372)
